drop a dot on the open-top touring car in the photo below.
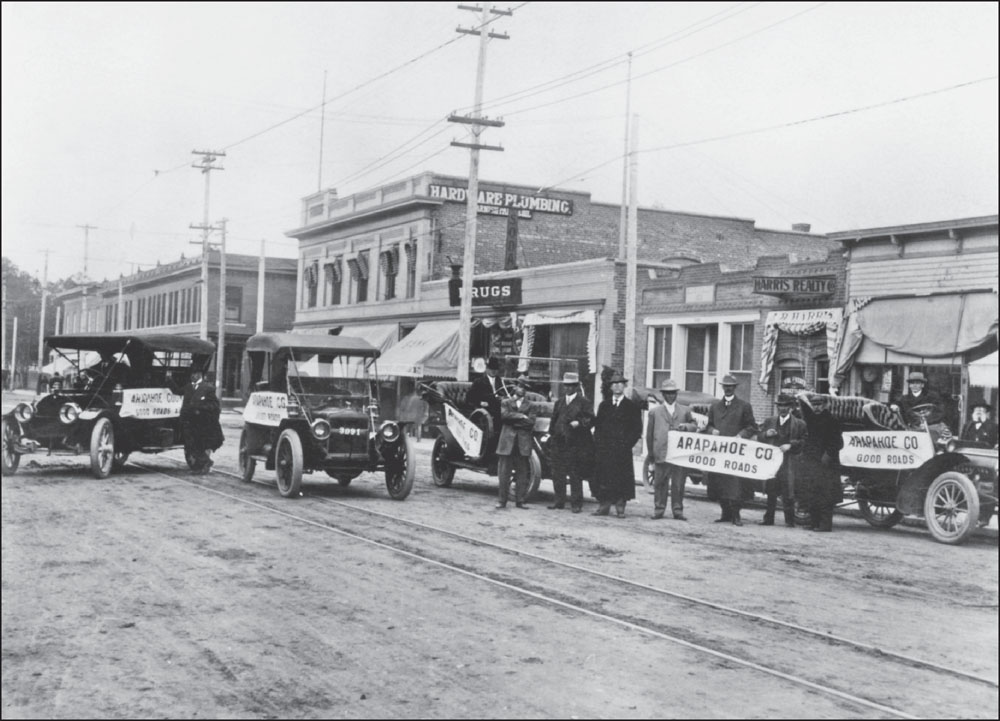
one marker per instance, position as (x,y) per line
(119,402)
(312,404)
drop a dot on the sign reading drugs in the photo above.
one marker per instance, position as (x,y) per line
(724,454)
(267,409)
(150,403)
(467,433)
(886,449)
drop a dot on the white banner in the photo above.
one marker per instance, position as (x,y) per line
(267,409)
(150,403)
(467,433)
(724,454)
(886,449)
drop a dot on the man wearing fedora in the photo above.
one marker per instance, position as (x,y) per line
(617,428)
(981,430)
(517,423)
(789,434)
(917,394)
(730,416)
(668,479)
(572,443)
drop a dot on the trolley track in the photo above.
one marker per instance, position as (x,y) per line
(728,634)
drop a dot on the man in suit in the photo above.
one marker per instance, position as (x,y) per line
(789,434)
(571,442)
(200,422)
(517,423)
(917,394)
(617,428)
(729,416)
(484,392)
(981,430)
(668,479)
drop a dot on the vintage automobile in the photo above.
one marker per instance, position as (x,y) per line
(951,484)
(312,404)
(120,401)
(467,437)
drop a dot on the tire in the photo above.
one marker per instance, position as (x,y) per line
(401,468)
(535,480)
(247,464)
(102,448)
(880,515)
(442,471)
(11,458)
(288,463)
(648,469)
(119,460)
(951,508)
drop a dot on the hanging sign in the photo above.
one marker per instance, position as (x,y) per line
(150,403)
(886,449)
(730,455)
(267,409)
(795,286)
(503,292)
(467,433)
(492,202)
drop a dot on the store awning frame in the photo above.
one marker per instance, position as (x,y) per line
(429,351)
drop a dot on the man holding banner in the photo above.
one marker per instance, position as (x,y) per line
(730,416)
(789,434)
(663,419)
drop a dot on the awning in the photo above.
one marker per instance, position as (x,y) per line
(381,335)
(429,351)
(983,372)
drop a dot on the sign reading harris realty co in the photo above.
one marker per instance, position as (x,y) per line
(500,203)
(795,286)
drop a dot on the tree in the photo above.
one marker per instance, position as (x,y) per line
(24,302)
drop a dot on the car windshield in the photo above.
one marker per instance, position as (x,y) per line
(323,379)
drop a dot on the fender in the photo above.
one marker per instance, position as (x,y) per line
(914,485)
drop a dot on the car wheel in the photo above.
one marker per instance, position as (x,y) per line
(880,515)
(401,468)
(11,458)
(247,464)
(102,448)
(288,463)
(535,477)
(951,508)
(648,469)
(442,471)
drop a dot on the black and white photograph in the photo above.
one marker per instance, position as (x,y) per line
(532,360)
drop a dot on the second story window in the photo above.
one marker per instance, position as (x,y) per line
(334,278)
(234,304)
(411,268)
(311,283)
(359,274)
(389,266)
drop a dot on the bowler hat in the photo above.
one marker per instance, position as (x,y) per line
(981,404)
(570,377)
(728,380)
(493,364)
(785,399)
(523,380)
(617,378)
(916,377)
(669,386)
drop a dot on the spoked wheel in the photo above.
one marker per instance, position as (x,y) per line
(535,479)
(648,471)
(880,515)
(401,468)
(442,471)
(102,448)
(11,458)
(951,508)
(247,464)
(288,463)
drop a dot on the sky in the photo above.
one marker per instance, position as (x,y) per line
(842,115)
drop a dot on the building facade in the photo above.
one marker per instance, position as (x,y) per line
(169,298)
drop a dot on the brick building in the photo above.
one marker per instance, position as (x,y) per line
(168,298)
(377,264)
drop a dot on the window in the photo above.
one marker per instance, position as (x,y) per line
(822,367)
(334,280)
(662,340)
(700,357)
(741,357)
(109,318)
(411,268)
(359,274)
(791,374)
(389,266)
(311,283)
(234,304)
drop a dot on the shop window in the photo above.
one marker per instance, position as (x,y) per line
(700,358)
(234,304)
(822,369)
(791,374)
(662,341)
(741,356)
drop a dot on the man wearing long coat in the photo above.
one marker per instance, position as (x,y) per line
(517,418)
(789,434)
(819,487)
(200,422)
(662,419)
(617,429)
(572,443)
(730,416)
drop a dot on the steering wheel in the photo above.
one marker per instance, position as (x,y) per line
(926,411)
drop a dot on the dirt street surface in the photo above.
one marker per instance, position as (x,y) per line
(159,594)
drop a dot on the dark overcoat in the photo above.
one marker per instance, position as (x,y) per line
(200,418)
(985,435)
(573,448)
(616,431)
(736,419)
(818,484)
(794,433)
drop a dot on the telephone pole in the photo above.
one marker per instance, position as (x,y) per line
(472,196)
(631,264)
(41,321)
(86,276)
(623,221)
(208,158)
(220,365)
(261,272)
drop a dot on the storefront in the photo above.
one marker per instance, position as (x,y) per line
(921,298)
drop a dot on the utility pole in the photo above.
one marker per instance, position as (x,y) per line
(41,321)
(13,358)
(322,124)
(632,262)
(220,366)
(3,329)
(472,196)
(208,158)
(58,319)
(86,276)
(260,288)
(120,315)
(623,223)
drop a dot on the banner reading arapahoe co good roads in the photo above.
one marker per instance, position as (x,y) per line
(724,454)
(886,449)
(267,409)
(150,403)
(467,433)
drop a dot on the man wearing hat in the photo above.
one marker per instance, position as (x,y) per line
(571,442)
(730,416)
(917,394)
(617,428)
(981,430)
(670,416)
(485,389)
(517,422)
(789,434)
